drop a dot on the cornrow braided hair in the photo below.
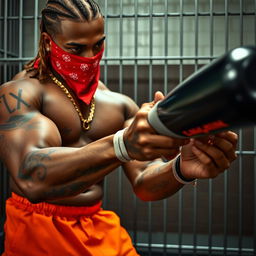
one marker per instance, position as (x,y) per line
(52,14)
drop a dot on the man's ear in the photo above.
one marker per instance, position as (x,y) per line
(47,41)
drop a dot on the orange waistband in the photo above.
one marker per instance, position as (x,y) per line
(52,209)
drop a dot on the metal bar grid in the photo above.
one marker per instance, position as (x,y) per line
(148,15)
(195,196)
(210,190)
(150,96)
(254,208)
(165,91)
(180,205)
(166,245)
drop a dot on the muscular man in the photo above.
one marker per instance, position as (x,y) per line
(61,134)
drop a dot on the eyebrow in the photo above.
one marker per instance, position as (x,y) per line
(82,45)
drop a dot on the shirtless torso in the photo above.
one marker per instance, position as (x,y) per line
(51,158)
(62,125)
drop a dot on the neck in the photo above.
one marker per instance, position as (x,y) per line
(80,103)
(59,77)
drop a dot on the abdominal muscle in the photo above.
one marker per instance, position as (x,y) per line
(89,197)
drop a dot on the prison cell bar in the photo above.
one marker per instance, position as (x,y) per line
(105,82)
(165,91)
(151,58)
(135,91)
(254,208)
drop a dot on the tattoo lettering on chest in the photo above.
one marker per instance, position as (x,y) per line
(34,165)
(5,100)
(19,121)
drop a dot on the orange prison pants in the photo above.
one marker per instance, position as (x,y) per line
(45,229)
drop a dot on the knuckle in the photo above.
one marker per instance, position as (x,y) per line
(234,157)
(142,140)
(139,115)
(227,166)
(143,112)
(235,136)
(208,162)
(147,152)
(142,125)
(230,147)
(219,157)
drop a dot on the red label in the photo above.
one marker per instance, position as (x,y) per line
(206,128)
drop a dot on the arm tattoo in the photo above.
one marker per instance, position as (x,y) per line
(17,121)
(34,162)
(18,98)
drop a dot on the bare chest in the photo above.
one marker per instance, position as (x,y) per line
(108,116)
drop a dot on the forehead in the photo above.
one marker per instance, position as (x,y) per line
(73,31)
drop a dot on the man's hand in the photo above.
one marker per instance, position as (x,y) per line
(143,143)
(209,156)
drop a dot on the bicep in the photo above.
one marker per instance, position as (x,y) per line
(21,134)
(22,126)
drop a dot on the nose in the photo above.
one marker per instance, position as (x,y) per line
(88,53)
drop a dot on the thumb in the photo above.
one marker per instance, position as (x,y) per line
(158,96)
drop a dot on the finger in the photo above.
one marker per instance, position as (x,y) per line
(215,154)
(145,107)
(158,96)
(226,147)
(230,136)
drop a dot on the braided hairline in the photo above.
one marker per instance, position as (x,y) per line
(55,9)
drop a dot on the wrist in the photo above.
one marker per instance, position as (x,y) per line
(177,173)
(120,148)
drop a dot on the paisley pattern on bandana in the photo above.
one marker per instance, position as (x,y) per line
(80,73)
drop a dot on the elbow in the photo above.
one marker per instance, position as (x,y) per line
(150,197)
(151,192)
(32,192)
(144,189)
(144,195)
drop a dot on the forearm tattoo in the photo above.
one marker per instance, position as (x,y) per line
(34,165)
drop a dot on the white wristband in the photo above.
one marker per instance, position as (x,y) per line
(177,172)
(119,147)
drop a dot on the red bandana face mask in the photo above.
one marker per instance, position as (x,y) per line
(80,73)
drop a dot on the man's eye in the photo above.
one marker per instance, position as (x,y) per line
(99,45)
(75,50)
